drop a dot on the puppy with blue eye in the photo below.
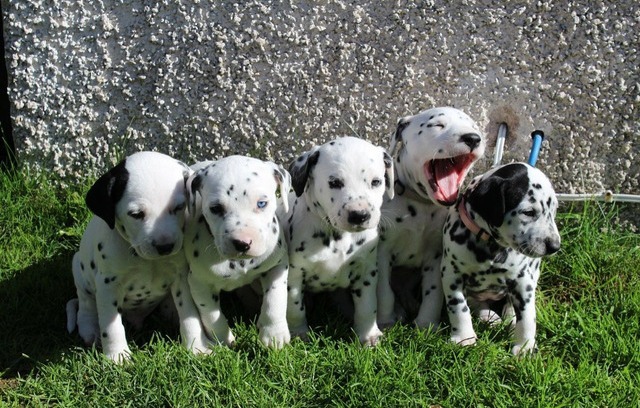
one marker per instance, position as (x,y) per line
(333,228)
(130,258)
(234,238)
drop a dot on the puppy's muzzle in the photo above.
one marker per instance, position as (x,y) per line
(164,249)
(472,140)
(241,245)
(552,245)
(358,217)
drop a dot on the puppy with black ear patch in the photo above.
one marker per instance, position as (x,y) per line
(332,230)
(494,239)
(130,257)
(235,239)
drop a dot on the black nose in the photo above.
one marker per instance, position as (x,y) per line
(358,217)
(164,249)
(471,139)
(552,246)
(240,245)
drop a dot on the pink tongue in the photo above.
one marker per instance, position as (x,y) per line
(447,179)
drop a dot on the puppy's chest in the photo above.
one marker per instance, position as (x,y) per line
(333,260)
(494,277)
(410,230)
(142,287)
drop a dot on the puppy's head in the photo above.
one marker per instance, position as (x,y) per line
(144,198)
(239,196)
(344,181)
(435,150)
(516,203)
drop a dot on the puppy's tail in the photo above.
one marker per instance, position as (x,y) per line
(72,314)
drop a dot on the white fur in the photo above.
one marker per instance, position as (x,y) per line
(515,205)
(411,231)
(332,229)
(130,257)
(234,239)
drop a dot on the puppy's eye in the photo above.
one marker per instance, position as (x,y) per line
(262,204)
(376,182)
(530,213)
(336,183)
(136,214)
(217,209)
(178,208)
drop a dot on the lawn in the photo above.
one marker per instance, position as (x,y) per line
(588,334)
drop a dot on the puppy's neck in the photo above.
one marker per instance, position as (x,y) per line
(479,232)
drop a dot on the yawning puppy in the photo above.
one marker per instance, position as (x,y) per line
(434,151)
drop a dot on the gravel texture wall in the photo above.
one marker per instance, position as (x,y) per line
(90,79)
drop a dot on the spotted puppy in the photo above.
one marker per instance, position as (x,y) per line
(434,150)
(332,230)
(235,239)
(130,257)
(494,239)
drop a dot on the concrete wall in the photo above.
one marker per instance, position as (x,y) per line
(199,79)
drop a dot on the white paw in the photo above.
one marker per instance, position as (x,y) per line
(300,331)
(524,349)
(198,346)
(371,339)
(464,340)
(89,332)
(386,322)
(275,336)
(428,325)
(120,356)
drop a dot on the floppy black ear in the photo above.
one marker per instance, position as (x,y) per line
(301,168)
(396,138)
(500,193)
(193,184)
(106,192)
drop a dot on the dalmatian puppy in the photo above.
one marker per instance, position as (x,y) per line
(130,257)
(434,150)
(235,239)
(332,229)
(494,239)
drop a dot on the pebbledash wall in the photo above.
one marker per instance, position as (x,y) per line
(91,79)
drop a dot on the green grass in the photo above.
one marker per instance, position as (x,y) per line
(588,334)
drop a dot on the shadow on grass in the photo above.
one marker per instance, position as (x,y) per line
(32,315)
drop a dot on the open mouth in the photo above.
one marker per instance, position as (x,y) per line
(445,176)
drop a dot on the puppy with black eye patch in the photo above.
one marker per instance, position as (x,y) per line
(494,239)
(130,257)
(332,229)
(234,238)
(433,152)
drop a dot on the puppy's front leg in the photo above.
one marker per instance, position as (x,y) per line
(274,331)
(386,297)
(523,299)
(432,296)
(459,314)
(193,336)
(365,304)
(296,316)
(113,337)
(208,303)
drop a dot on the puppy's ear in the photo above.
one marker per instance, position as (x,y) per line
(284,184)
(300,169)
(192,187)
(388,175)
(500,193)
(396,138)
(107,191)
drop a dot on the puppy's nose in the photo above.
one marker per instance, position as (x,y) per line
(164,249)
(240,245)
(358,217)
(471,139)
(552,245)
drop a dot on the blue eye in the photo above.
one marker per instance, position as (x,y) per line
(262,204)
